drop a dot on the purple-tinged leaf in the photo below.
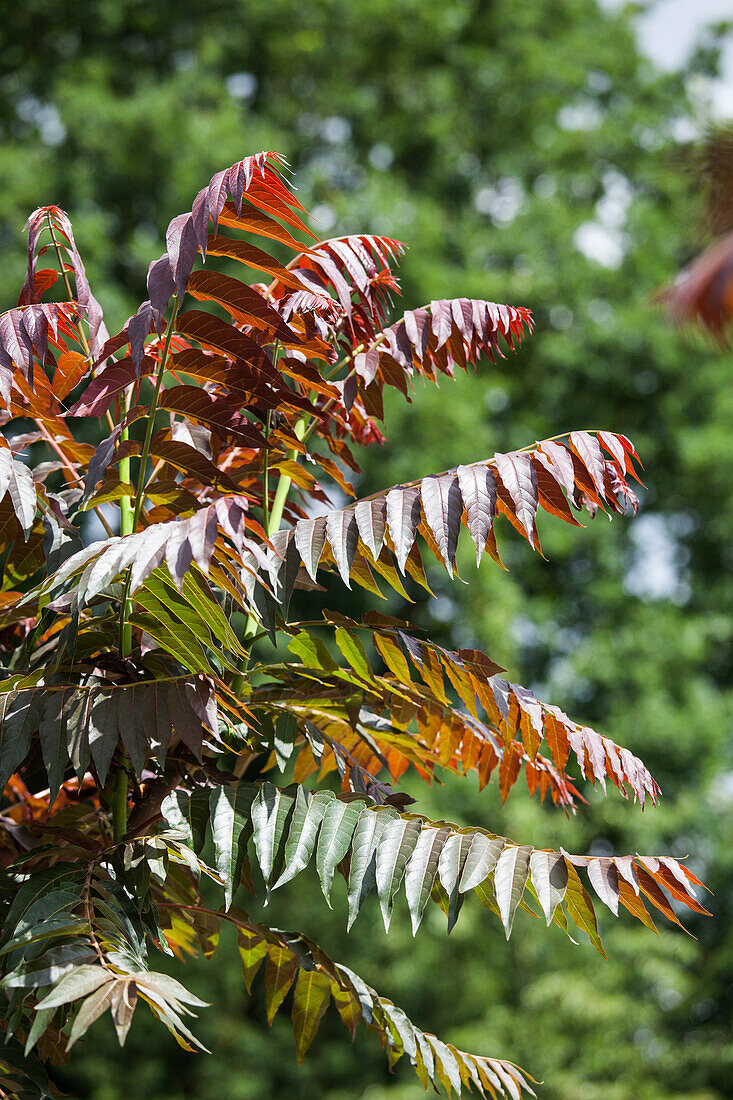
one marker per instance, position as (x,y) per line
(520,481)
(343,536)
(184,719)
(99,462)
(200,220)
(16,342)
(559,464)
(138,328)
(17,480)
(371,519)
(52,735)
(603,876)
(366,364)
(310,537)
(219,336)
(202,532)
(149,552)
(35,323)
(161,285)
(614,446)
(218,190)
(403,517)
(417,327)
(478,489)
(443,507)
(180,239)
(441,321)
(588,450)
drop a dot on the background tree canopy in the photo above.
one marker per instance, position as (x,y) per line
(529,155)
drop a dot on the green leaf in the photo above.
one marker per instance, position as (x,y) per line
(189,814)
(348,1006)
(195,605)
(395,847)
(231,827)
(103,726)
(450,870)
(270,813)
(130,716)
(19,717)
(510,877)
(41,1020)
(91,1009)
(446,1065)
(306,820)
(82,981)
(354,652)
(283,740)
(550,879)
(54,927)
(485,894)
(580,908)
(421,870)
(50,908)
(62,877)
(252,950)
(310,1001)
(337,829)
(280,970)
(481,860)
(173,636)
(363,868)
(402,1030)
(49,968)
(312,651)
(52,733)
(393,657)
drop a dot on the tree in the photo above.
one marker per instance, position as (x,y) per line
(134,676)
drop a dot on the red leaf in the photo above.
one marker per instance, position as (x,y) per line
(218,414)
(519,478)
(253,257)
(102,390)
(213,333)
(588,450)
(239,299)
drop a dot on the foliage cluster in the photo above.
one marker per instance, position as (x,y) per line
(133,677)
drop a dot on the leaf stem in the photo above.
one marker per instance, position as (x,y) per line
(132,517)
(67,283)
(266,453)
(89,912)
(140,491)
(119,805)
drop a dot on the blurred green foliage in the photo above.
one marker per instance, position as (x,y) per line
(526,153)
